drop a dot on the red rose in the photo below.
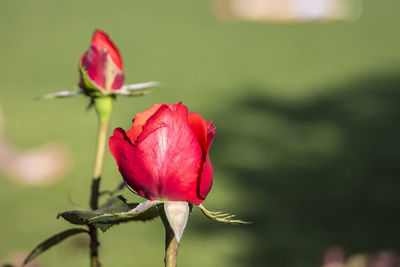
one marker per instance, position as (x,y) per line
(164,156)
(101,66)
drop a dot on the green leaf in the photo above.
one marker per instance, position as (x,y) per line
(54,240)
(142,212)
(115,205)
(219,216)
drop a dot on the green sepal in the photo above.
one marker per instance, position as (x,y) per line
(177,213)
(137,89)
(61,94)
(89,86)
(101,217)
(138,212)
(52,241)
(221,217)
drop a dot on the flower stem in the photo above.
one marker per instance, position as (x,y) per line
(104,107)
(171,243)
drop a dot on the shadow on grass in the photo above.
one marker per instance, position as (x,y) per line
(316,173)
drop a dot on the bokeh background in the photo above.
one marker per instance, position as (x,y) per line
(307,115)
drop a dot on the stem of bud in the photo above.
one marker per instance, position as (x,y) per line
(171,243)
(104,106)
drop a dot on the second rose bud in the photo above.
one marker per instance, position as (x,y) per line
(101,66)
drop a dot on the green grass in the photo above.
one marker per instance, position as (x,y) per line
(307,136)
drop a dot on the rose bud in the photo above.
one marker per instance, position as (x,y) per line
(101,73)
(164,155)
(101,66)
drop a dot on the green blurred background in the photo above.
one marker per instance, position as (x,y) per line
(307,143)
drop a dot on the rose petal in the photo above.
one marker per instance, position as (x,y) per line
(206,178)
(139,120)
(118,81)
(103,42)
(198,125)
(95,66)
(210,133)
(123,151)
(166,159)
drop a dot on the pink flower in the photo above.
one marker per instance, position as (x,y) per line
(101,66)
(164,155)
